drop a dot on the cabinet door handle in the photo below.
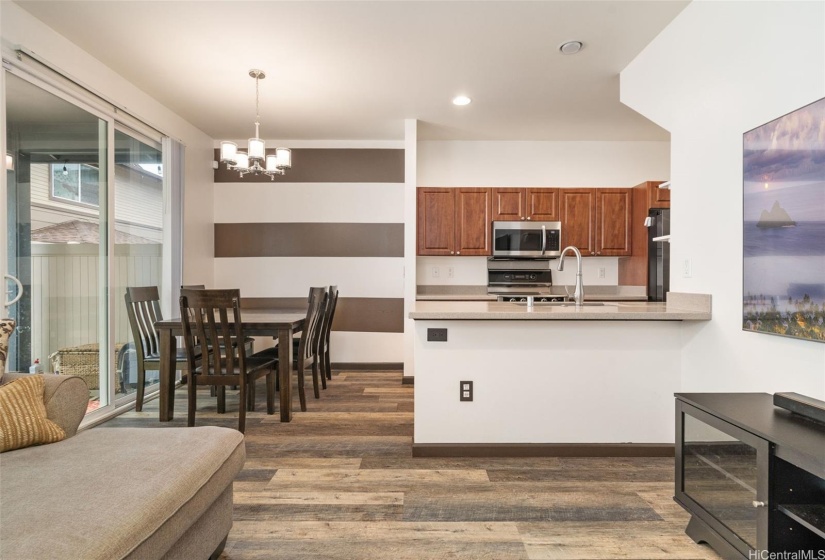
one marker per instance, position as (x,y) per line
(458,252)
(452,252)
(522,217)
(758,504)
(528,217)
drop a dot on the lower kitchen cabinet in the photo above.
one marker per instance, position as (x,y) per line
(454,221)
(751,475)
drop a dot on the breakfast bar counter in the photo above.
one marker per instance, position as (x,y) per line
(551,378)
(680,307)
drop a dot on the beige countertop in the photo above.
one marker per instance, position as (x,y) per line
(679,307)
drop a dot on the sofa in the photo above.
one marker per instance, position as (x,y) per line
(108,493)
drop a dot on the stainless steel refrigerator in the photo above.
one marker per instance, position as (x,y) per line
(658,266)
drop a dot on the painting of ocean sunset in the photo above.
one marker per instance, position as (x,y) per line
(784,225)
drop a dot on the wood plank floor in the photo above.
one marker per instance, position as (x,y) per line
(340,481)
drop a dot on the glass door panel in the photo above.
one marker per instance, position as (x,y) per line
(56,230)
(138,244)
(720,473)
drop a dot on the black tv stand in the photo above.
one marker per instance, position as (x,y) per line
(751,475)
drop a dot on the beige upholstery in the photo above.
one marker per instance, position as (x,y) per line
(110,493)
(66,399)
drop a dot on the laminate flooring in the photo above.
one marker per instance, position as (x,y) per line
(339,481)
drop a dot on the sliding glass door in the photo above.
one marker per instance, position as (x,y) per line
(87,215)
(138,242)
(56,230)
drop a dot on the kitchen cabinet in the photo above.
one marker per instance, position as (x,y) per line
(536,204)
(656,197)
(647,196)
(454,221)
(597,221)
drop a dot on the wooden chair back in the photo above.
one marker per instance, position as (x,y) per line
(329,316)
(211,319)
(143,309)
(308,346)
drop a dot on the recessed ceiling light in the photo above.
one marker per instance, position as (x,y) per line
(570,47)
(461,100)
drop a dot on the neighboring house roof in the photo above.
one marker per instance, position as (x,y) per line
(77,231)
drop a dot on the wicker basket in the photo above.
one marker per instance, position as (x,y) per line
(82,361)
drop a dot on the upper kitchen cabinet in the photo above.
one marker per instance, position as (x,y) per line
(511,204)
(657,198)
(614,209)
(454,221)
(597,221)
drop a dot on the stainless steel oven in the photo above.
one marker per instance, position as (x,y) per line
(526,239)
(519,277)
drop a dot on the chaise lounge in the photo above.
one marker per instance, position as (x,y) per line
(108,493)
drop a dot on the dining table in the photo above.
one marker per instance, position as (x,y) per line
(278,323)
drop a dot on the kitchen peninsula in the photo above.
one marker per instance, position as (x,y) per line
(551,378)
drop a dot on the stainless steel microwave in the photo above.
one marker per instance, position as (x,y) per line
(526,239)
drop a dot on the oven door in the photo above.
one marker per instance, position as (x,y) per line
(526,239)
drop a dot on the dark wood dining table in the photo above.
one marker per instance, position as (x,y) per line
(278,323)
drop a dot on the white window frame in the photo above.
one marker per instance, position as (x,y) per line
(64,200)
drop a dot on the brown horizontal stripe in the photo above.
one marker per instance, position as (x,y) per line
(543,450)
(351,314)
(309,240)
(329,165)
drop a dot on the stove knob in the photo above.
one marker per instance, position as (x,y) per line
(512,299)
(543,300)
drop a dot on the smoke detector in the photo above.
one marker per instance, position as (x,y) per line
(571,47)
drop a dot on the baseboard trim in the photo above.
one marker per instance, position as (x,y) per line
(369,366)
(408,380)
(543,450)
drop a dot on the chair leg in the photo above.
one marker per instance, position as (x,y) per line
(250,396)
(315,379)
(319,359)
(271,378)
(222,399)
(192,389)
(244,388)
(327,365)
(141,382)
(301,394)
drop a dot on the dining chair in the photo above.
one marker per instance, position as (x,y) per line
(211,319)
(143,309)
(326,329)
(307,352)
(248,341)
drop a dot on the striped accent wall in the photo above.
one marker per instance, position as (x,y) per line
(337,217)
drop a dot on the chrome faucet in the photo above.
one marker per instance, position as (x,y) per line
(578,295)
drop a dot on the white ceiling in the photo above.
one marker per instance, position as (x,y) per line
(356,70)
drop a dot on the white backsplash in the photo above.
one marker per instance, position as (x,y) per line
(473,271)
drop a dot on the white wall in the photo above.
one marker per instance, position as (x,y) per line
(535,164)
(21,28)
(532,385)
(764,60)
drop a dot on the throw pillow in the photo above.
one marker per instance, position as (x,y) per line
(23,420)
(6,328)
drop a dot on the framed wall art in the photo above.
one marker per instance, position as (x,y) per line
(784,225)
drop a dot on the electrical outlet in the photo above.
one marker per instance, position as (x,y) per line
(436,335)
(602,272)
(436,272)
(466,391)
(688,269)
(450,272)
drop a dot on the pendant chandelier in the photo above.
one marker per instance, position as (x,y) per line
(250,162)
